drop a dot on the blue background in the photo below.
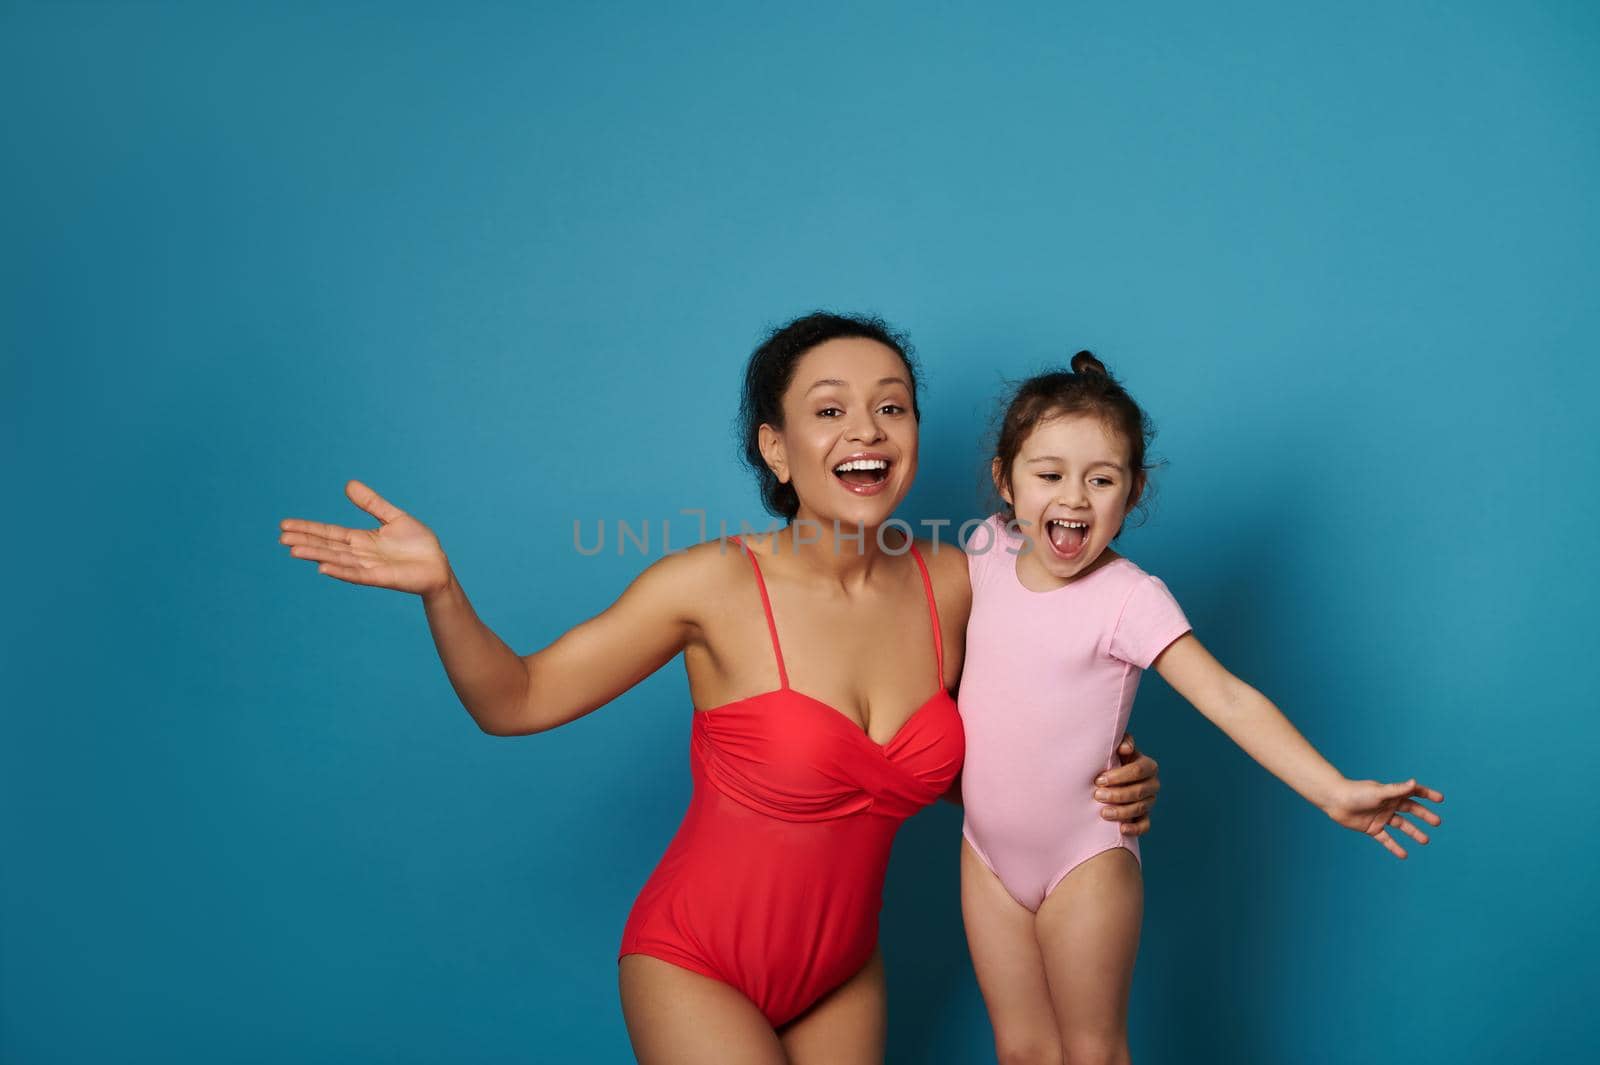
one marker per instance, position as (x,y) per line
(504,264)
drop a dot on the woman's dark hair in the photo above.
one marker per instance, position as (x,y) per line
(771,369)
(1087,388)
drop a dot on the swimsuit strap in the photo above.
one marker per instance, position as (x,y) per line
(933,612)
(766,606)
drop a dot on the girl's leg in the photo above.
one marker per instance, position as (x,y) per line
(847,1027)
(1010,968)
(678,1017)
(1088,930)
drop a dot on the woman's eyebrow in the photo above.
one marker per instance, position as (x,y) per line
(835,381)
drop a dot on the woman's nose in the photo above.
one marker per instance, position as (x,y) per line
(866,429)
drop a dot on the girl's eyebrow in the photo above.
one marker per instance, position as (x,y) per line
(835,381)
(1058,458)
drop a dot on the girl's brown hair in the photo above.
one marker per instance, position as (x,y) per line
(1087,388)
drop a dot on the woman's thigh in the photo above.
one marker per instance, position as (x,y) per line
(678,1017)
(1007,961)
(848,1026)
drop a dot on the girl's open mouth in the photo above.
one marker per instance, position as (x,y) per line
(863,476)
(1067,537)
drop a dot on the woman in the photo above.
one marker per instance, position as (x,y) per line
(755,940)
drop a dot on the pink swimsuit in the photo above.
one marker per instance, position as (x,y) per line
(1045,696)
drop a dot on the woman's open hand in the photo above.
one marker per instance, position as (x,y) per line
(1370,807)
(402,553)
(1129,790)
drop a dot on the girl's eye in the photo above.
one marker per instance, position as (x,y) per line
(1050,476)
(1102,482)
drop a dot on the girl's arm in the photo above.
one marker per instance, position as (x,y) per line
(1252,721)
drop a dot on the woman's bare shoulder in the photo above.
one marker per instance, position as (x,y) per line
(947,567)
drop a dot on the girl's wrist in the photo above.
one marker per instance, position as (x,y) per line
(1330,795)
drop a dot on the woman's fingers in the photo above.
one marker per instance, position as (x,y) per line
(319,553)
(1135,828)
(321,530)
(1133,811)
(1141,768)
(1144,789)
(350,574)
(372,502)
(301,539)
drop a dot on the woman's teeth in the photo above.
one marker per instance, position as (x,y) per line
(862,471)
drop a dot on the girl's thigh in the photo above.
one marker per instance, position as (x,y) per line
(1009,965)
(848,1026)
(1088,931)
(678,1017)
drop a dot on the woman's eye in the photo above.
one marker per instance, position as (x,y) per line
(826,411)
(893,408)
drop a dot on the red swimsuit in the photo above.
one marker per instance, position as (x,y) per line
(774,880)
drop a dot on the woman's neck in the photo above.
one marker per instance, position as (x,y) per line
(847,553)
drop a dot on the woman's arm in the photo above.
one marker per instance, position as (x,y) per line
(593,663)
(1252,721)
(508,695)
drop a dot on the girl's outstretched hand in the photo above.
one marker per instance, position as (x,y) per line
(402,553)
(1370,807)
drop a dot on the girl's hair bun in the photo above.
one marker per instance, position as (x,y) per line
(1084,362)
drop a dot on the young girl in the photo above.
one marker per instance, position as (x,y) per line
(1060,631)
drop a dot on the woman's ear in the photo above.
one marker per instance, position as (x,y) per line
(771,445)
(996,472)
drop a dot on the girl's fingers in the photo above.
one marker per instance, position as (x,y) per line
(1411,787)
(1418,810)
(372,502)
(1388,841)
(1404,787)
(1396,821)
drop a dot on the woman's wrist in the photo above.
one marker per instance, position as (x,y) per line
(447,589)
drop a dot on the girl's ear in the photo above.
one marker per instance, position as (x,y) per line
(771,445)
(1135,493)
(1000,485)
